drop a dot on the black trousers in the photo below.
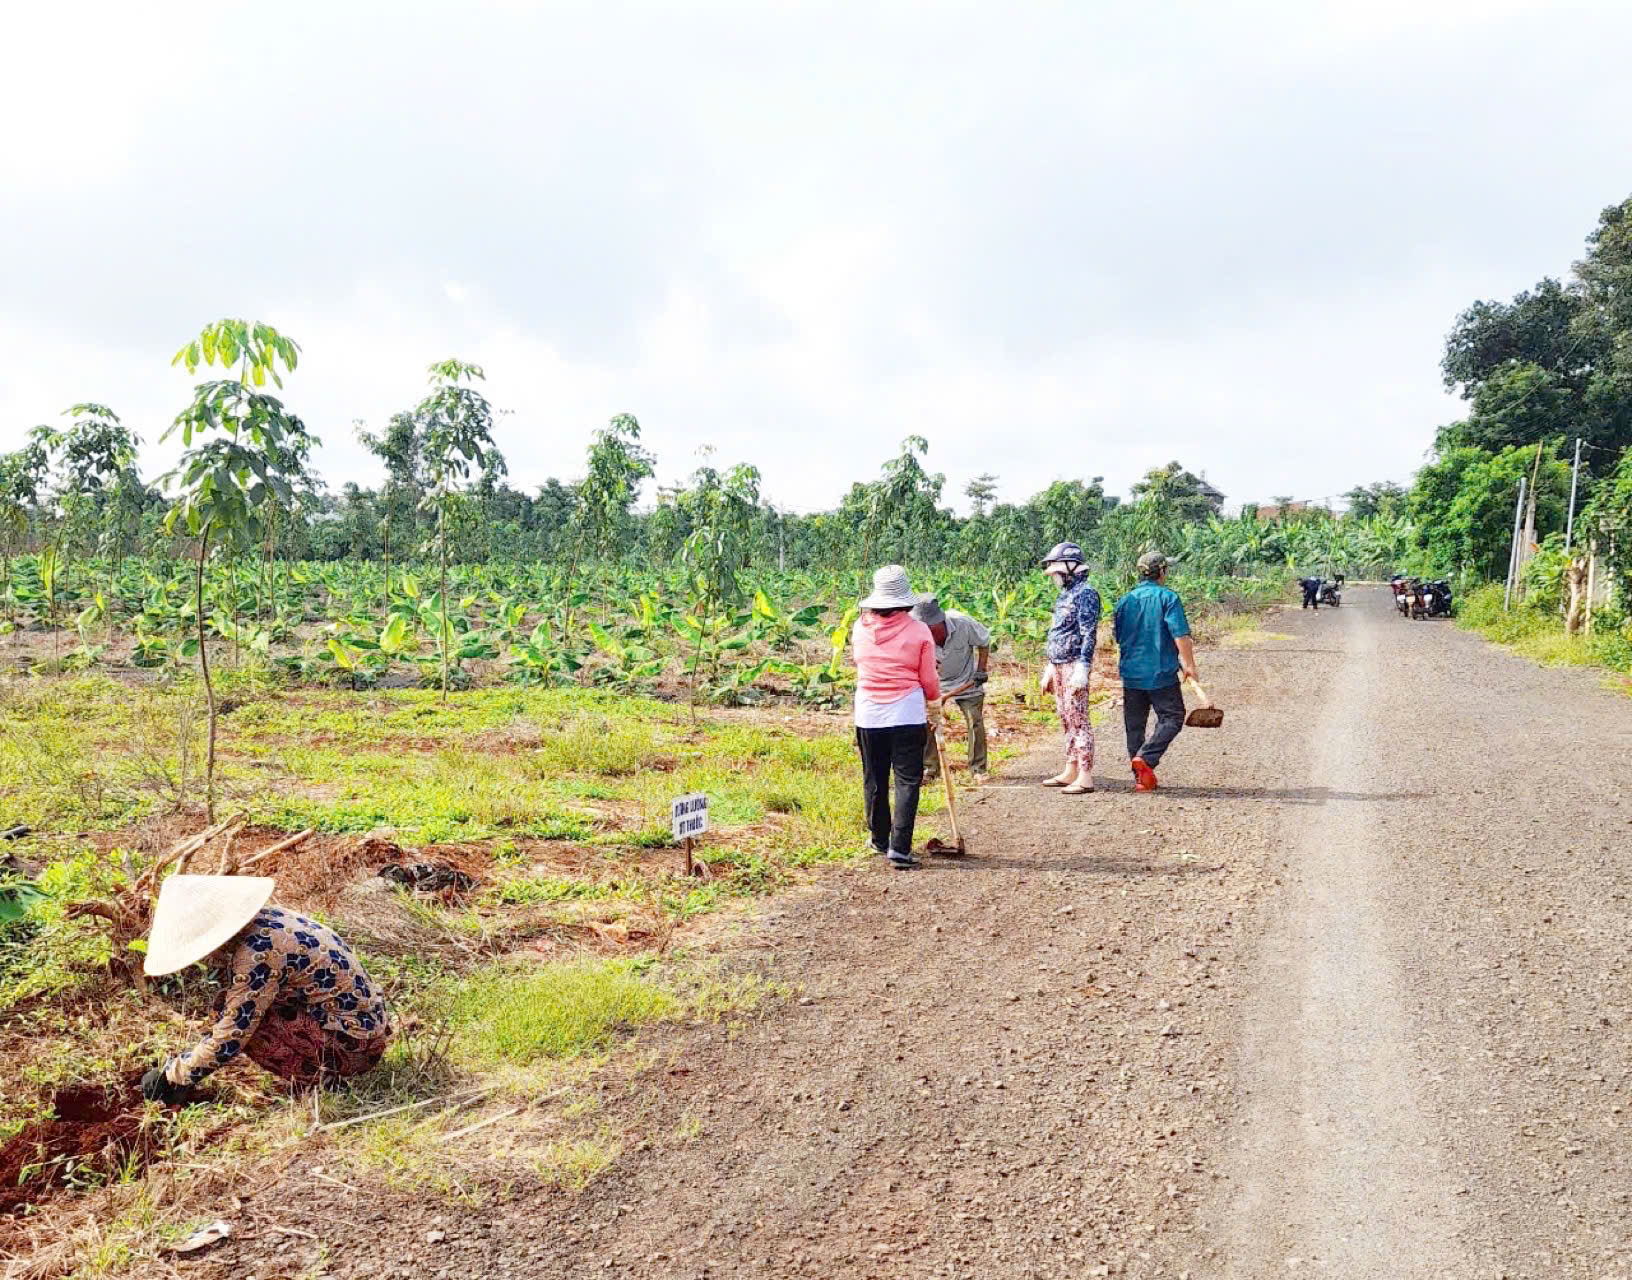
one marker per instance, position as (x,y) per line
(1137,704)
(898,750)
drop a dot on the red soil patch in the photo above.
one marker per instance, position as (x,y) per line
(95,1130)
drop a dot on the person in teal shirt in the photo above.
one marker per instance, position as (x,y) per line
(1154,647)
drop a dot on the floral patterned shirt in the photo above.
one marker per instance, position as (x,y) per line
(1073,631)
(282,958)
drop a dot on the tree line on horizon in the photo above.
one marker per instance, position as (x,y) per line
(1550,367)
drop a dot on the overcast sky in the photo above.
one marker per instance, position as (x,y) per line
(1058,240)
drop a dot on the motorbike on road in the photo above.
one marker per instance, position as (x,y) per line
(1425,600)
(1431,600)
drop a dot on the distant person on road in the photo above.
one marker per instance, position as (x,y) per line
(897,691)
(1311,593)
(963,647)
(1153,637)
(1073,635)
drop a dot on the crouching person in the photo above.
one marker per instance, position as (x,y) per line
(295,1000)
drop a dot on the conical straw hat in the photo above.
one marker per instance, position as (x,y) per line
(196,914)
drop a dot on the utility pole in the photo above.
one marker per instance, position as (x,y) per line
(1529,539)
(1575,481)
(1513,549)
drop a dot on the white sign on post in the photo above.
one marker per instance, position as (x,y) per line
(689,815)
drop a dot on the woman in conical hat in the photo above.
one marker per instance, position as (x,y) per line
(295,998)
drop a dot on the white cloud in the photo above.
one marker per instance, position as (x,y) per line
(1054,240)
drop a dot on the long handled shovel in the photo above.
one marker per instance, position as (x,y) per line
(957,848)
(1206,716)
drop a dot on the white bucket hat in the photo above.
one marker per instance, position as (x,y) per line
(196,914)
(891,590)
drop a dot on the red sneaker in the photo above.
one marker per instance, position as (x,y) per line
(1144,776)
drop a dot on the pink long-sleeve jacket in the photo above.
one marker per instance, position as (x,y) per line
(894,654)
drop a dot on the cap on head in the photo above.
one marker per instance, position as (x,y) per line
(928,611)
(1153,564)
(1064,553)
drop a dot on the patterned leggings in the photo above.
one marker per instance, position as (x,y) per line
(1073,708)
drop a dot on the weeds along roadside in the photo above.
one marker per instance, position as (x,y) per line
(1535,629)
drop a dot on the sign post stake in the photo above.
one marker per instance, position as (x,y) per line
(688,816)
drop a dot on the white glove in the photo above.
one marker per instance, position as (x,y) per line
(1047,684)
(1079,678)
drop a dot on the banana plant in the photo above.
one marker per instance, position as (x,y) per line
(247,636)
(736,686)
(633,665)
(812,682)
(538,660)
(779,628)
(839,638)
(147,649)
(509,616)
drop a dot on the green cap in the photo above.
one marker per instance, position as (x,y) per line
(1153,564)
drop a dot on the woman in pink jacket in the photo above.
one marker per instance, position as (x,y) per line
(896,684)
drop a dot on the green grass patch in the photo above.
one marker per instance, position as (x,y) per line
(562,1011)
(532,890)
(573,1165)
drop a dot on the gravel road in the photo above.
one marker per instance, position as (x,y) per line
(1348,997)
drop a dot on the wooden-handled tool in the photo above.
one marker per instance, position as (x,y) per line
(957,846)
(1206,716)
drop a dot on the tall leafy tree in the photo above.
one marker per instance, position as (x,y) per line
(900,511)
(400,448)
(1167,499)
(1608,518)
(97,459)
(88,457)
(720,510)
(241,450)
(618,465)
(981,492)
(22,478)
(1366,502)
(1070,510)
(1463,505)
(455,426)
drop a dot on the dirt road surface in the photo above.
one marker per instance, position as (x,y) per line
(1348,997)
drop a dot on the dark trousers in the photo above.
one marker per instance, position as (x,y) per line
(1311,595)
(1137,704)
(899,750)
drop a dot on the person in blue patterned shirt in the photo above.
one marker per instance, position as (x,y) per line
(1073,635)
(296,1001)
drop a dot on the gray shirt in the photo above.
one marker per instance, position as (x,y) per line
(956,659)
